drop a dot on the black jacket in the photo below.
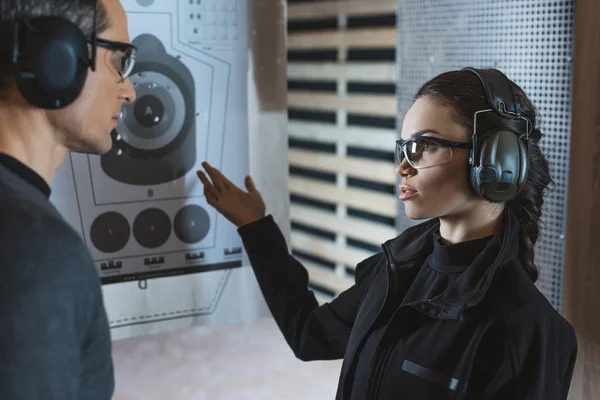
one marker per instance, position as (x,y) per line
(490,335)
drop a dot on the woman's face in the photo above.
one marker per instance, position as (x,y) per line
(440,190)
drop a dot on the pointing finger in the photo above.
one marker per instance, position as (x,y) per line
(203,179)
(209,191)
(220,181)
(214,176)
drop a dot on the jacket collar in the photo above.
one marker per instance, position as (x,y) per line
(411,248)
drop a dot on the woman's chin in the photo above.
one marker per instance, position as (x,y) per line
(414,212)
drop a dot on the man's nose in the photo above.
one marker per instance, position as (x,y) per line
(128,92)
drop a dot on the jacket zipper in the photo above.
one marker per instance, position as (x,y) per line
(387,342)
(387,290)
(379,370)
(386,351)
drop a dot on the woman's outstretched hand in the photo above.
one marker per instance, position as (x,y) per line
(236,205)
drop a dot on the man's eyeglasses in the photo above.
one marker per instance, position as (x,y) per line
(425,151)
(123,57)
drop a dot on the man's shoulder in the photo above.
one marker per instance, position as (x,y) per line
(51,292)
(36,242)
(25,222)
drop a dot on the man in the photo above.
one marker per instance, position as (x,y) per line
(54,335)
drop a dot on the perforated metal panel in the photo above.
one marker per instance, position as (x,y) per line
(531,41)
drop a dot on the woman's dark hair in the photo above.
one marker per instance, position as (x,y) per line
(463,93)
(80,12)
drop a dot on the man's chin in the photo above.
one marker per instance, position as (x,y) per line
(92,148)
(104,150)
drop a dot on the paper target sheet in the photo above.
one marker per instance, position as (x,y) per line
(161,251)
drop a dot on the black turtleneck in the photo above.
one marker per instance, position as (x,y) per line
(25,172)
(455,258)
(443,266)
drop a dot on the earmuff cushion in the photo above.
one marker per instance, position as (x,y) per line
(500,171)
(53,62)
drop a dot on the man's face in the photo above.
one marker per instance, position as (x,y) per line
(86,124)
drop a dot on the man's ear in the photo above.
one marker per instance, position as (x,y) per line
(9,91)
(7,87)
(6,84)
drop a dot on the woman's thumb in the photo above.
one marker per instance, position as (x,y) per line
(250,184)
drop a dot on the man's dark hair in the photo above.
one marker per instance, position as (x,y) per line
(80,12)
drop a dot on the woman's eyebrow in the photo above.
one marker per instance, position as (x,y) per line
(424,131)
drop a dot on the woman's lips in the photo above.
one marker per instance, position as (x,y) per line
(406,192)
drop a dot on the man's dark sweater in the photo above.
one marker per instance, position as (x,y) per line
(54,336)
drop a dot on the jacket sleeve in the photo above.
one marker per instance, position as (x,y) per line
(570,366)
(313,332)
(542,363)
(506,367)
(547,367)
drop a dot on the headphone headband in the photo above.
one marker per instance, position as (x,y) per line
(94,36)
(498,91)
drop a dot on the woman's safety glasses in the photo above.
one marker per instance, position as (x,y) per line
(425,151)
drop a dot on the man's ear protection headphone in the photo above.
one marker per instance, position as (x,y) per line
(51,60)
(498,162)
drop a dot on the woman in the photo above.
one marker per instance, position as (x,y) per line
(448,309)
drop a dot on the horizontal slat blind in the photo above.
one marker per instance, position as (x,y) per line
(372,38)
(322,9)
(342,117)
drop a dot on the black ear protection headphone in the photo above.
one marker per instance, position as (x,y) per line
(51,60)
(499,162)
